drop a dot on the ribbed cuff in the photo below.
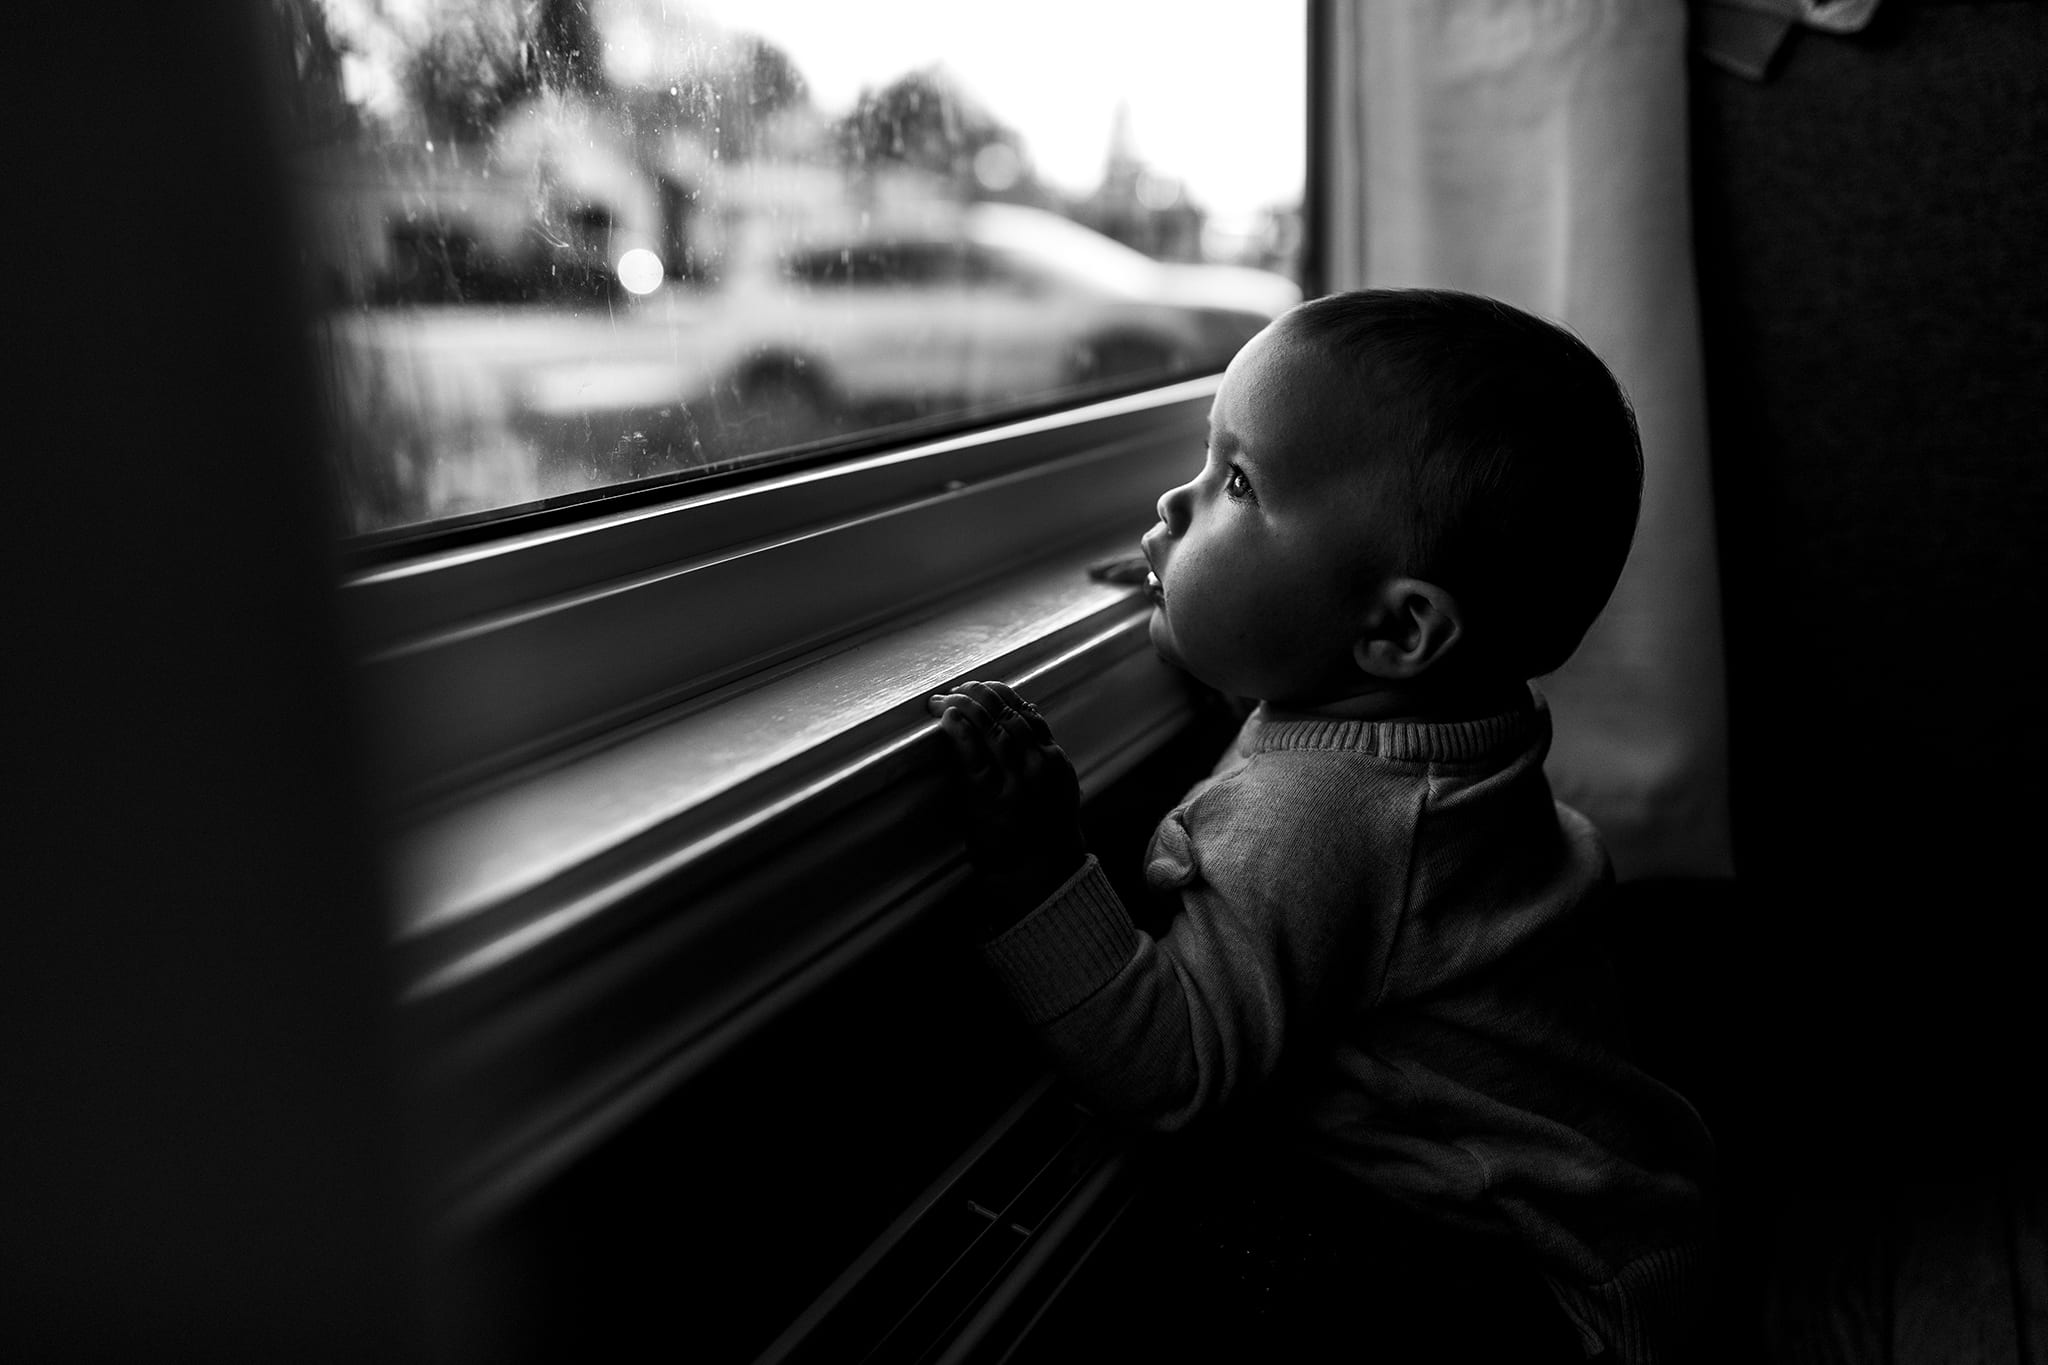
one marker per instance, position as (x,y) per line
(1067,949)
(1652,1313)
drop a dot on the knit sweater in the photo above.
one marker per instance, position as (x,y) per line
(1401,912)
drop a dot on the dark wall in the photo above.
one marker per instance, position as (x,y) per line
(199,1150)
(1871,226)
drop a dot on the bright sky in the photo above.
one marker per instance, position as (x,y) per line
(1215,87)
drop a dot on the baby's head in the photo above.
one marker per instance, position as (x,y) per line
(1408,494)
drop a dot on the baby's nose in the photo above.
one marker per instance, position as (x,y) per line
(1172,509)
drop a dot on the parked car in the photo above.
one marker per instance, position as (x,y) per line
(816,327)
(823,329)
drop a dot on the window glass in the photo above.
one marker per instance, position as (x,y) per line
(559,247)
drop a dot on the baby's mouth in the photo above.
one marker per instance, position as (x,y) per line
(1154,590)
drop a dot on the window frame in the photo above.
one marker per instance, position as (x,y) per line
(503,665)
(558,971)
(478,660)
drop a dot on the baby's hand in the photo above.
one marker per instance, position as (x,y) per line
(1024,811)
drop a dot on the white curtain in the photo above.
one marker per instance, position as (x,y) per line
(1535,150)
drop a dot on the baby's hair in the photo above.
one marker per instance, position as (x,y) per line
(1511,447)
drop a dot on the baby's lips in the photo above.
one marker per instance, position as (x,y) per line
(1123,568)
(1155,537)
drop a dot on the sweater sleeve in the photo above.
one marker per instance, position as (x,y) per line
(1275,917)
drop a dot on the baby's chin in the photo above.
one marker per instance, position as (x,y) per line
(1162,637)
(1164,645)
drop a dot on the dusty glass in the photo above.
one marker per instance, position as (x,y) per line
(558,247)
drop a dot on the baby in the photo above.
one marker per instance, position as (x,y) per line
(1413,502)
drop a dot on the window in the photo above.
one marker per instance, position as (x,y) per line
(594,934)
(711,381)
(562,249)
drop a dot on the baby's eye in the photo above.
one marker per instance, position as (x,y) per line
(1237,485)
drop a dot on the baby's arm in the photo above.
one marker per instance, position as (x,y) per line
(1155,1030)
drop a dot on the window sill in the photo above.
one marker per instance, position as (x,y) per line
(575,942)
(477,663)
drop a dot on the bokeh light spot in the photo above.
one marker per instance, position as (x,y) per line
(640,270)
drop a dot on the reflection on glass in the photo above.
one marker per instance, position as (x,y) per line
(563,245)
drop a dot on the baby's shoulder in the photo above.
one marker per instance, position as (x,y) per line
(1285,815)
(1308,787)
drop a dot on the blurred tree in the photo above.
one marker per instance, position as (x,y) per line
(307,59)
(567,51)
(729,93)
(477,60)
(773,81)
(924,120)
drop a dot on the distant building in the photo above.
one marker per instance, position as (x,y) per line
(1138,207)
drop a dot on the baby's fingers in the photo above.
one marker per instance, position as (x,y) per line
(1011,723)
(1024,710)
(971,710)
(977,756)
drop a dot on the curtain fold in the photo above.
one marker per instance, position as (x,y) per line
(1535,150)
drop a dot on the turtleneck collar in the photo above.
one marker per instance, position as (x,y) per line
(1459,741)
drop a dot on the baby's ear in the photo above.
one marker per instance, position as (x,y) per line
(1408,628)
